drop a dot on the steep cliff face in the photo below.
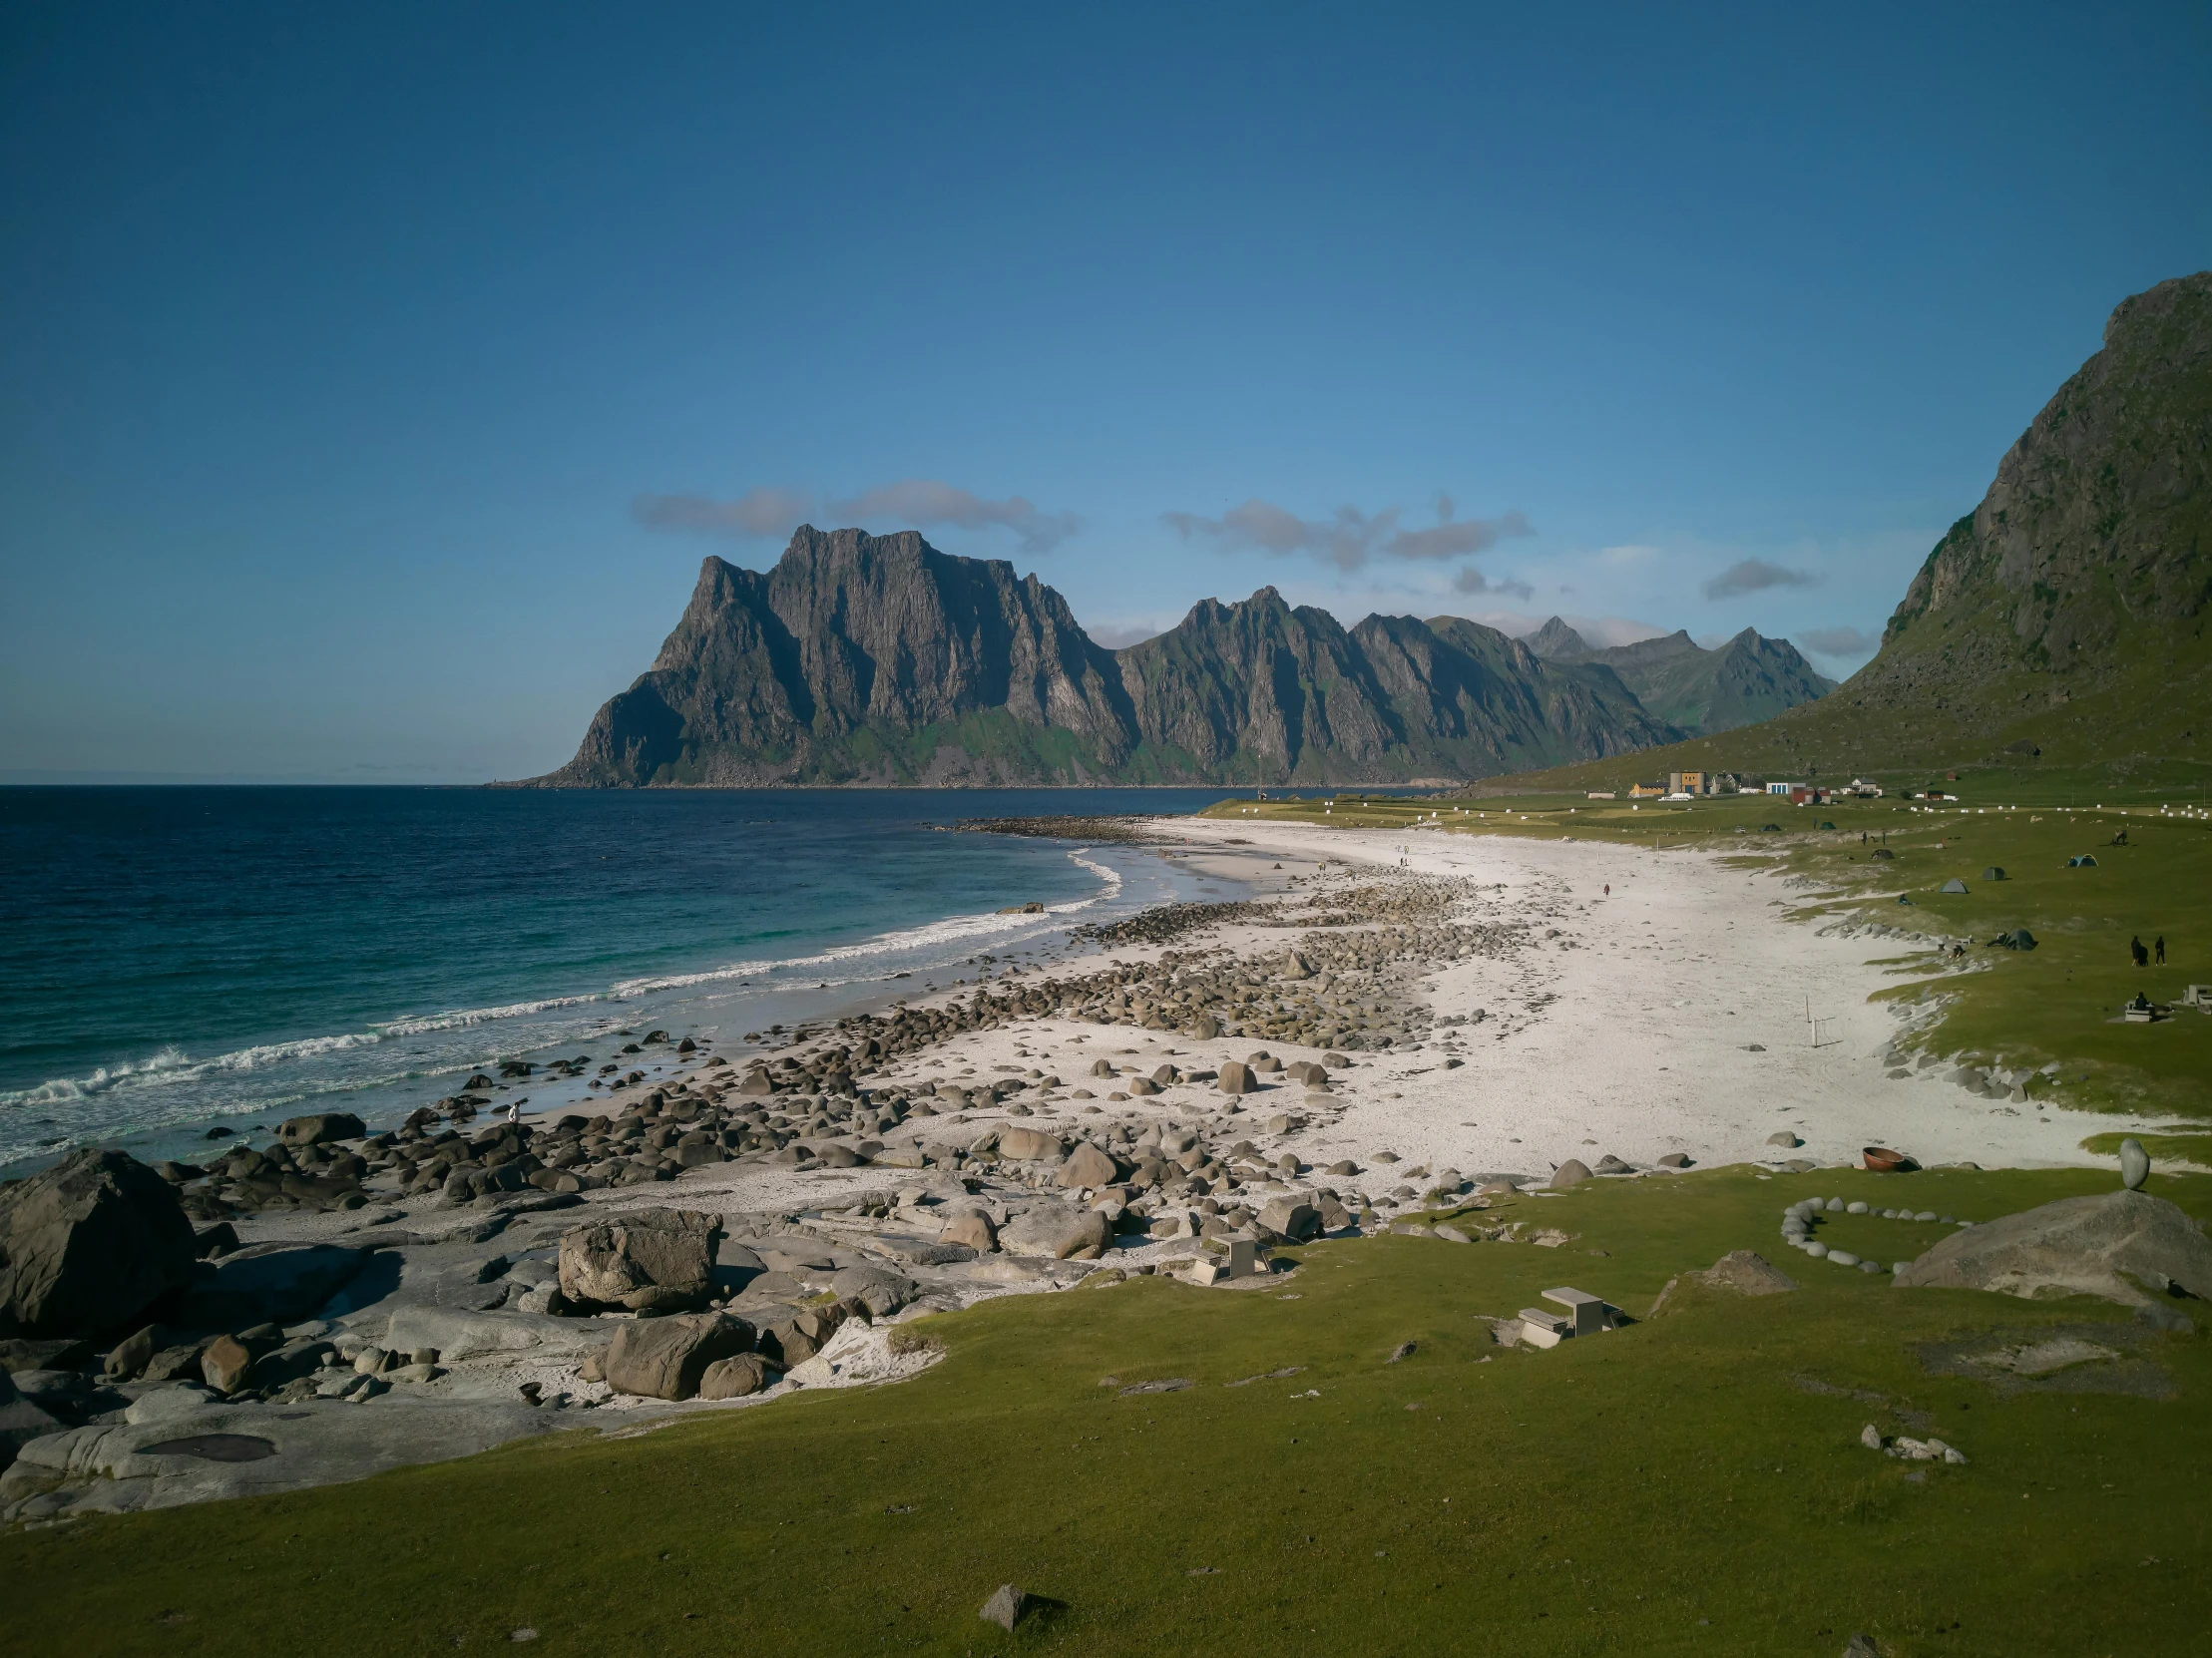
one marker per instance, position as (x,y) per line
(1749,678)
(879,660)
(2090,560)
(863,659)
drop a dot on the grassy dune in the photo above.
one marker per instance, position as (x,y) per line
(1693,1484)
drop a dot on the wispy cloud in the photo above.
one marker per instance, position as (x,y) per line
(924,501)
(1756,576)
(1471,579)
(1838,642)
(1348,538)
(758,512)
(767,512)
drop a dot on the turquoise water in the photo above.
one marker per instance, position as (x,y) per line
(177,958)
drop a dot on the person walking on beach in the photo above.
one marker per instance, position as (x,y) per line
(2137,950)
(2158,948)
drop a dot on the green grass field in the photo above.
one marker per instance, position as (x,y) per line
(2054,1003)
(1692,1483)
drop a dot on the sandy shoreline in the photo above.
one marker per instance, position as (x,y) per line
(1482,1007)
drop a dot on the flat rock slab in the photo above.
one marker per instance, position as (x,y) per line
(249,1451)
(2124,1246)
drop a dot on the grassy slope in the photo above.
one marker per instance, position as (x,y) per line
(2027,1007)
(1674,1487)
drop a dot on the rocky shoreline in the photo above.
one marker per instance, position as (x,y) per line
(337,1301)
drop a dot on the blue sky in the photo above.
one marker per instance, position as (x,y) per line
(372,379)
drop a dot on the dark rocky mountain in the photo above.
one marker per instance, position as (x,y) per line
(1749,678)
(879,660)
(2063,621)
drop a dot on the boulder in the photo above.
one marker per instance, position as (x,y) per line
(1087,1165)
(1236,1077)
(648,1260)
(1573,1172)
(133,1353)
(1059,1233)
(736,1377)
(881,1292)
(272,1283)
(1030,1145)
(799,1335)
(1292,1217)
(2121,1246)
(225,1362)
(89,1244)
(972,1230)
(665,1358)
(1004,1608)
(318,1127)
(2134,1164)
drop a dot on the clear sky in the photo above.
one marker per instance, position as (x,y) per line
(373,377)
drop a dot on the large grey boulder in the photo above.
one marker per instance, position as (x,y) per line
(973,1231)
(664,1358)
(1573,1172)
(735,1378)
(2134,1164)
(648,1260)
(89,1245)
(1060,1233)
(1235,1076)
(1087,1165)
(271,1283)
(881,1292)
(2118,1246)
(1292,1217)
(1030,1145)
(320,1127)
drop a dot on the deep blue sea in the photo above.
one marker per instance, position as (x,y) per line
(177,958)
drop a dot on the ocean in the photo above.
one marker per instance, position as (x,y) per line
(176,958)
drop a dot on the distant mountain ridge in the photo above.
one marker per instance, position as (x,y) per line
(1700,692)
(879,660)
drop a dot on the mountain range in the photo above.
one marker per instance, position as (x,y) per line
(1698,691)
(2063,622)
(879,660)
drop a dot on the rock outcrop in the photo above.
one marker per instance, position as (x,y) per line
(650,1260)
(2122,1246)
(665,1358)
(90,1245)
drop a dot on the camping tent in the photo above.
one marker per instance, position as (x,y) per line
(1992,873)
(1952,885)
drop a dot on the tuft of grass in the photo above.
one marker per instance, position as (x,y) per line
(1691,1484)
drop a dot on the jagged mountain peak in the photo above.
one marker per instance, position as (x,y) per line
(879,658)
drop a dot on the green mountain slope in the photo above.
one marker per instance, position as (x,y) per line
(2060,624)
